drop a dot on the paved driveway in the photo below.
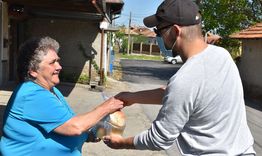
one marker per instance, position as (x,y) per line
(147,72)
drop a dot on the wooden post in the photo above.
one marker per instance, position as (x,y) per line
(132,42)
(129,26)
(101,58)
(150,49)
(90,69)
(141,47)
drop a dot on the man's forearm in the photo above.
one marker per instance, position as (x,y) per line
(154,96)
(129,143)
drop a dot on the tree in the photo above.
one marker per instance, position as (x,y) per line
(121,39)
(225,17)
(139,39)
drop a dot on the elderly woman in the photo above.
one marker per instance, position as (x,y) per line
(38,121)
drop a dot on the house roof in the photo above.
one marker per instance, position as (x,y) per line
(141,31)
(252,32)
(145,32)
(116,6)
(85,9)
(212,38)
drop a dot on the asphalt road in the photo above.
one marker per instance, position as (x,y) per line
(147,72)
(151,74)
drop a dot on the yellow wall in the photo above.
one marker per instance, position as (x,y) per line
(250,67)
(70,34)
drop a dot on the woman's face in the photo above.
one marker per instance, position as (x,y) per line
(47,75)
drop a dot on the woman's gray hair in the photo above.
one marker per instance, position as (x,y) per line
(31,53)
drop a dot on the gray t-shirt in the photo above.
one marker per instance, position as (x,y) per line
(203,109)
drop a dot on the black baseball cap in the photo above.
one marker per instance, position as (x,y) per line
(180,12)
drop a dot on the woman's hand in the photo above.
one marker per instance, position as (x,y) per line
(92,137)
(113,104)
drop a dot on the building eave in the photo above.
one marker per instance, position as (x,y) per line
(253,32)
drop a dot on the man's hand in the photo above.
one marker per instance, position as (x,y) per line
(118,142)
(126,97)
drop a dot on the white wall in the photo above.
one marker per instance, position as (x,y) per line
(250,66)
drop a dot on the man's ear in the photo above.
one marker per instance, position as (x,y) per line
(177,30)
(32,73)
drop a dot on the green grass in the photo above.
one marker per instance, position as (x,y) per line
(141,57)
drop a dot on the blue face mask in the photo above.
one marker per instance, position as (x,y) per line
(162,47)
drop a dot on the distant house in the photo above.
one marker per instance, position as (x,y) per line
(211,38)
(149,46)
(142,31)
(250,64)
(80,26)
(152,42)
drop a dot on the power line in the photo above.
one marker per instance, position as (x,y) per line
(136,15)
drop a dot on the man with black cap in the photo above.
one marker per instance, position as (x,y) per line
(203,105)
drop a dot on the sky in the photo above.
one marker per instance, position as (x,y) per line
(139,10)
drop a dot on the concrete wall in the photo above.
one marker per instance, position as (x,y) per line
(250,67)
(1,41)
(73,35)
(4,47)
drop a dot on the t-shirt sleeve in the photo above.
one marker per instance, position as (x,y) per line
(46,110)
(178,105)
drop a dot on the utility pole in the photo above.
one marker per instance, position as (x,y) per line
(129,26)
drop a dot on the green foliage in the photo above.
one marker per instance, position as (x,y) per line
(124,45)
(139,39)
(83,79)
(94,64)
(122,40)
(225,17)
(120,34)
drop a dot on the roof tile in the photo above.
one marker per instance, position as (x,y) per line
(252,32)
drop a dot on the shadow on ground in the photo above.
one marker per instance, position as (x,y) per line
(2,110)
(254,103)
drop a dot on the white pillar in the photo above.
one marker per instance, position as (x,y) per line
(105,54)
(103,63)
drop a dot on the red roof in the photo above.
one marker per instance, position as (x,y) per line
(114,1)
(212,38)
(141,31)
(252,32)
